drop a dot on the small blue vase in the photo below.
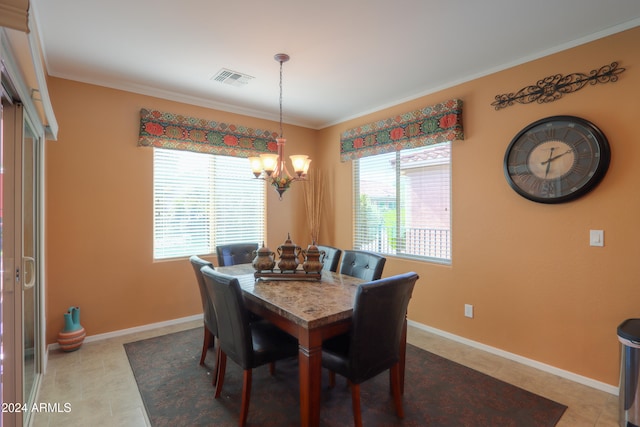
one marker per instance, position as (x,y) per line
(72,320)
(72,336)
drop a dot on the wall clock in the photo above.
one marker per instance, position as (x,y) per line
(556,159)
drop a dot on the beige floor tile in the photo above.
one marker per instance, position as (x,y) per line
(40,420)
(131,417)
(97,381)
(82,410)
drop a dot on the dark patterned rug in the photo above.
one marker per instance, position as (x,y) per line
(177,391)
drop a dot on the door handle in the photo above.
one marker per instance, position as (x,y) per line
(29,273)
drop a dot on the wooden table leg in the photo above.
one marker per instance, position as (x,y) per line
(310,370)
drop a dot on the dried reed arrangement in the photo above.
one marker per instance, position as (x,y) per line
(313,195)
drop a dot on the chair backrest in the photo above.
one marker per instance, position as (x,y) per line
(234,333)
(365,265)
(332,257)
(379,311)
(207,305)
(236,253)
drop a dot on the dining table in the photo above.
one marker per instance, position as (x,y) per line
(311,311)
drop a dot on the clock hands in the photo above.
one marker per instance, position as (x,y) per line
(548,162)
(551,159)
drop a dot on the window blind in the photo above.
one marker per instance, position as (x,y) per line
(403,203)
(204,200)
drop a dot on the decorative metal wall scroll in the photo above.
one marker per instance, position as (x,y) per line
(553,87)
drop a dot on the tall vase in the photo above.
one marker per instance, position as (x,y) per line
(72,336)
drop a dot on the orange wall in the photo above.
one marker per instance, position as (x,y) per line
(539,290)
(99,206)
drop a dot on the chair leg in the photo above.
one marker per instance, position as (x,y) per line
(246,396)
(403,358)
(332,379)
(272,368)
(216,367)
(396,389)
(207,342)
(222,367)
(355,404)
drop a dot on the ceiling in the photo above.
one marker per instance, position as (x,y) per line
(348,57)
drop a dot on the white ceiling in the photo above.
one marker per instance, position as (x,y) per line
(348,57)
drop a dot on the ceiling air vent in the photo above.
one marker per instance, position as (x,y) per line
(232,78)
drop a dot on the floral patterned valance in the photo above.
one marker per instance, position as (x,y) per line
(430,125)
(178,132)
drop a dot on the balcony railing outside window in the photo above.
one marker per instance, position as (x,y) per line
(403,203)
(420,242)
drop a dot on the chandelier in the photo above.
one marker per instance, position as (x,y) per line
(272,167)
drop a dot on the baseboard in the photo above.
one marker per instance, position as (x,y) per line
(143,328)
(598,385)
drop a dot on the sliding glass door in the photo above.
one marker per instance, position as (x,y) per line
(30,263)
(20,214)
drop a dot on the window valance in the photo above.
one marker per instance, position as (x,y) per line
(178,132)
(15,14)
(427,126)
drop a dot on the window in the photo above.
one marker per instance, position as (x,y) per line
(403,203)
(204,200)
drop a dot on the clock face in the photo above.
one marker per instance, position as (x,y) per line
(556,159)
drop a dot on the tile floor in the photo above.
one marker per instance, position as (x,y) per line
(98,383)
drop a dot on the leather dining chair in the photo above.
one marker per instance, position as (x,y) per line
(249,344)
(236,253)
(210,322)
(364,265)
(331,258)
(372,345)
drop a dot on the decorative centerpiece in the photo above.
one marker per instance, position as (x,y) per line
(264,260)
(290,256)
(313,259)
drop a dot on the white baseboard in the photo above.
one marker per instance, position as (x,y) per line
(143,328)
(598,385)
(608,388)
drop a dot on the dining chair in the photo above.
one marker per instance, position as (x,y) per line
(236,253)
(210,322)
(331,258)
(364,265)
(372,344)
(249,344)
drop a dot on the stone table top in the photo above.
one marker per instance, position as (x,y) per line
(309,304)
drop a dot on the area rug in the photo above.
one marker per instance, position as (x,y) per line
(177,391)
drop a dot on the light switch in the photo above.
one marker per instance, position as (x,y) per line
(596,237)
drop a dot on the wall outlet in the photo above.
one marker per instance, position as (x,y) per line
(468,310)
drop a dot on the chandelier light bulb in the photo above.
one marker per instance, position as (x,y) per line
(269,162)
(256,166)
(298,161)
(305,169)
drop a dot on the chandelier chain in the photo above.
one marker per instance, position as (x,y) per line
(280,99)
